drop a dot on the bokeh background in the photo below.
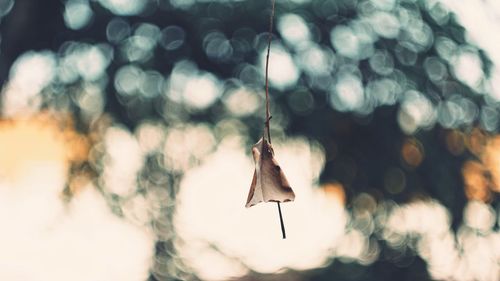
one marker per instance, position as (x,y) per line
(126,128)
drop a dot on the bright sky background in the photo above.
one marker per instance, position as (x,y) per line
(44,238)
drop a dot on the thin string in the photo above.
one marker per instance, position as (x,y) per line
(268,111)
(270,37)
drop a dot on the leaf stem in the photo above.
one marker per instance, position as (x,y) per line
(281,221)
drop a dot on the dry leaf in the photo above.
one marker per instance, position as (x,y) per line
(269,183)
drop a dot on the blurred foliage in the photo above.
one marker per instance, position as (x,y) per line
(393,90)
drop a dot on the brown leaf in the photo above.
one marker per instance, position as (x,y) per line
(269,183)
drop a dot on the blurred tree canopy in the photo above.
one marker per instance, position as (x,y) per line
(393,90)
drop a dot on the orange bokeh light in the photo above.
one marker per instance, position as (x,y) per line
(412,152)
(42,139)
(491,159)
(335,191)
(475,181)
(455,142)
